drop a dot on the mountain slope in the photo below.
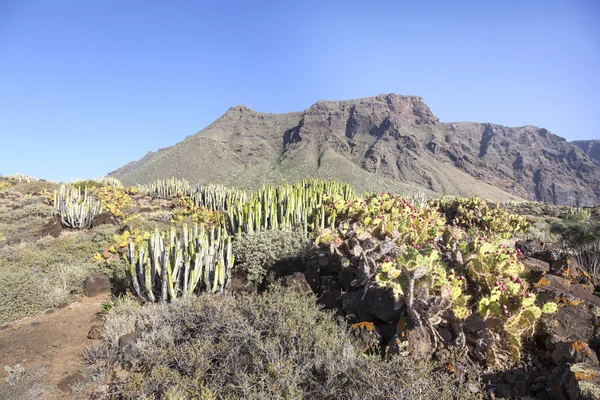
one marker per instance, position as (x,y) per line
(589,147)
(388,142)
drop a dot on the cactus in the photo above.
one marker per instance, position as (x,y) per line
(170,266)
(19,178)
(298,206)
(109,181)
(76,210)
(168,188)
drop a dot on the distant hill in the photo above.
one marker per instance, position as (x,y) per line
(386,143)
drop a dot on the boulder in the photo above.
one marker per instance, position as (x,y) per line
(104,218)
(96,285)
(298,282)
(582,382)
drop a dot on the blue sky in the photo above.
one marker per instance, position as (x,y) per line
(87,86)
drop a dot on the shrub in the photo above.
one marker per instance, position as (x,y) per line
(576,228)
(258,251)
(21,218)
(272,346)
(35,187)
(42,275)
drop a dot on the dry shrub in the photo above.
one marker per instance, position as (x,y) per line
(22,384)
(41,275)
(278,345)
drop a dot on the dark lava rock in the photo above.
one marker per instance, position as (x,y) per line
(313,278)
(96,285)
(53,228)
(104,218)
(583,382)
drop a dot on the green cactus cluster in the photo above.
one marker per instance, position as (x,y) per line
(76,209)
(109,181)
(476,214)
(167,188)
(169,266)
(298,206)
(217,197)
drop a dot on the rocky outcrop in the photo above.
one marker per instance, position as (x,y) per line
(589,147)
(387,143)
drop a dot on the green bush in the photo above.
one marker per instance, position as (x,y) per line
(278,345)
(576,228)
(258,251)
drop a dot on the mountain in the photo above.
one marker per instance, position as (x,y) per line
(386,143)
(590,147)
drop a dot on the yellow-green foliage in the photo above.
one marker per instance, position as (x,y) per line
(185,208)
(386,214)
(5,184)
(476,214)
(409,242)
(114,199)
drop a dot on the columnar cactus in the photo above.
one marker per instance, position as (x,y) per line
(168,267)
(76,210)
(298,206)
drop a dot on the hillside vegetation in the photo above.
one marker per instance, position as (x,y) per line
(305,290)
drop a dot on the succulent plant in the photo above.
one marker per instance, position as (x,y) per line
(170,266)
(76,210)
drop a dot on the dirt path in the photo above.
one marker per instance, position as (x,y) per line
(53,341)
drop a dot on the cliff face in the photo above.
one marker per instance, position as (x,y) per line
(589,147)
(387,142)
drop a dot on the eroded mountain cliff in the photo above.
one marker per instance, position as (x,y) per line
(388,142)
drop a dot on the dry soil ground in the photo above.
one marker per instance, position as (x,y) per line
(51,343)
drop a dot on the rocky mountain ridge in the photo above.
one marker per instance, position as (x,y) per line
(387,142)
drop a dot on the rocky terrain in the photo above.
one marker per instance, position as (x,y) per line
(383,143)
(590,147)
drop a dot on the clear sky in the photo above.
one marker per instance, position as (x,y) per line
(87,86)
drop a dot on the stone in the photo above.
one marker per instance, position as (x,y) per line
(104,218)
(313,278)
(367,335)
(65,384)
(298,282)
(96,285)
(583,382)
(573,352)
(331,299)
(502,391)
(94,333)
